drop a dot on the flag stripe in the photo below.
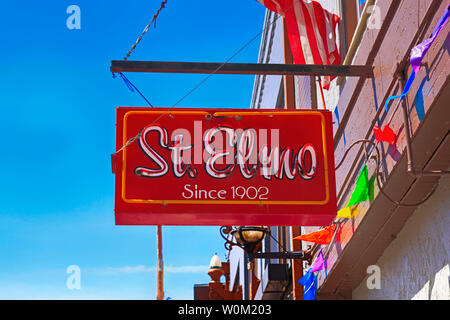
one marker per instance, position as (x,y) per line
(324,31)
(311,32)
(272,5)
(280,11)
(294,38)
(303,33)
(320,40)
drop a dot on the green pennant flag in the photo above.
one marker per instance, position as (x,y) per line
(364,190)
(361,192)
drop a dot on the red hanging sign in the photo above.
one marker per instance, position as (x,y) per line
(224,167)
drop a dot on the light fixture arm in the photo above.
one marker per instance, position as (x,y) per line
(226,231)
(278,255)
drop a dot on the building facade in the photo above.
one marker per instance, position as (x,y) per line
(396,246)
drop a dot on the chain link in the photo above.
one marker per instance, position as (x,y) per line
(202,81)
(130,141)
(153,21)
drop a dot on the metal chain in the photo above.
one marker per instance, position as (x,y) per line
(138,136)
(153,21)
(207,77)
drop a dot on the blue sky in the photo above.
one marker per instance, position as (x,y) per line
(58,131)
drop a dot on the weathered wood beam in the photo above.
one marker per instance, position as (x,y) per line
(240,68)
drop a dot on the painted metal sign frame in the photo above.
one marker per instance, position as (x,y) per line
(152,187)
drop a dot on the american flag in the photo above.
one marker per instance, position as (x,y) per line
(311,32)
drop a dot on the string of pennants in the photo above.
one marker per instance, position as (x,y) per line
(364,188)
(416,57)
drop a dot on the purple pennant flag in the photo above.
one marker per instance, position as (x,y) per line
(319,264)
(419,51)
(417,54)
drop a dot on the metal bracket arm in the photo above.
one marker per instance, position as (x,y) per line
(241,68)
(277,255)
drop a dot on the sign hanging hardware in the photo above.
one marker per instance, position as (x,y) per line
(241,68)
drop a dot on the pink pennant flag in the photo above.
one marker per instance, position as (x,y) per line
(319,264)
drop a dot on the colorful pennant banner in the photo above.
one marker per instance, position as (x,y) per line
(323,236)
(417,55)
(364,190)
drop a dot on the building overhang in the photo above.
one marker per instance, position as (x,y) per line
(383,220)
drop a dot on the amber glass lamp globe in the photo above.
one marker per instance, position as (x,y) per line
(249,236)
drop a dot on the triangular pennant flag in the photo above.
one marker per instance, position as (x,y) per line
(361,192)
(417,55)
(405,91)
(323,236)
(351,211)
(319,264)
(309,286)
(387,134)
(348,212)
(419,51)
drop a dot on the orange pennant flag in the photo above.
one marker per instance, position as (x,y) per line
(323,236)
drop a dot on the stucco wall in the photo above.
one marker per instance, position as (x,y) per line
(416,263)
